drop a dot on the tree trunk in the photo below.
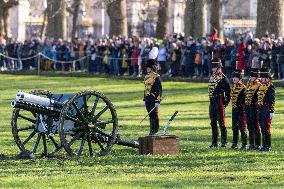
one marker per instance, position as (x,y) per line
(118,18)
(163,19)
(194,18)
(199,25)
(4,11)
(1,25)
(56,24)
(189,18)
(75,18)
(216,18)
(43,26)
(5,22)
(270,17)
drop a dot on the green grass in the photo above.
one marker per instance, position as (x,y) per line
(197,166)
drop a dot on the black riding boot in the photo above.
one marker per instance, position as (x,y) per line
(257,140)
(244,140)
(235,139)
(152,126)
(268,142)
(251,140)
(223,137)
(156,126)
(214,137)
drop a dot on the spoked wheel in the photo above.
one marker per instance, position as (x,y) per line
(88,124)
(29,133)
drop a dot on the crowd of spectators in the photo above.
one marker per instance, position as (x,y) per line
(178,56)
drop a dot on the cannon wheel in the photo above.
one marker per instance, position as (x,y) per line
(95,124)
(26,135)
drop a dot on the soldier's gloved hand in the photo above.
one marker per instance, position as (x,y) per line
(157,104)
(271,116)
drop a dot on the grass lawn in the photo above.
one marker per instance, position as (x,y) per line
(197,166)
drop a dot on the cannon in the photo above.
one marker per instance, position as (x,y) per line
(82,123)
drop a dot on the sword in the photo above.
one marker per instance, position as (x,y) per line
(152,110)
(169,122)
(149,113)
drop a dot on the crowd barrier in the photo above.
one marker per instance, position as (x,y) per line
(38,57)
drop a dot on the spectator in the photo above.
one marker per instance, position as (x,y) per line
(177,55)
(281,61)
(241,54)
(227,58)
(162,57)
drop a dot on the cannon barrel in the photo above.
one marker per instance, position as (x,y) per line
(37,104)
(35,108)
(38,100)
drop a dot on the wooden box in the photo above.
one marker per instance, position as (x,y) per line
(162,145)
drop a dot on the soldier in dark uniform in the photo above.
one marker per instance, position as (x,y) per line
(266,102)
(219,95)
(252,109)
(153,91)
(238,110)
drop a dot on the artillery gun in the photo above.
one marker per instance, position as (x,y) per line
(82,123)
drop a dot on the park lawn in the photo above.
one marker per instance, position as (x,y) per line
(197,166)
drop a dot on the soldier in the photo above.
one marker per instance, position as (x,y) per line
(266,102)
(219,95)
(238,110)
(153,91)
(251,109)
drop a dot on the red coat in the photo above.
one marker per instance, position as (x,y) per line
(135,57)
(213,37)
(241,57)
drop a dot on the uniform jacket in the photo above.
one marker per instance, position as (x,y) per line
(238,95)
(219,85)
(251,92)
(153,86)
(266,96)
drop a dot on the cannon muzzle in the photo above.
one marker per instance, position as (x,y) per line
(35,108)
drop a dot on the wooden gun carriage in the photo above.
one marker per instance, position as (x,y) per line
(82,123)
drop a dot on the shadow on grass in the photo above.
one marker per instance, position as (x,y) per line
(163,104)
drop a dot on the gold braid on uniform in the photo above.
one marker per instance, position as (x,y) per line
(149,82)
(237,88)
(252,87)
(213,83)
(262,92)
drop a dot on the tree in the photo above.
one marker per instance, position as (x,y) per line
(43,26)
(216,18)
(74,10)
(163,19)
(116,10)
(200,18)
(270,17)
(56,19)
(5,5)
(189,18)
(194,18)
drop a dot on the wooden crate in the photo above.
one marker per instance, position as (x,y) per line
(162,145)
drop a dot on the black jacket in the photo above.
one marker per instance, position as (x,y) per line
(219,85)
